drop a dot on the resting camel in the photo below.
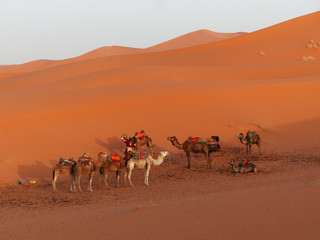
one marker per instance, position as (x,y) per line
(194,147)
(64,167)
(86,168)
(143,163)
(255,139)
(242,168)
(111,166)
(145,140)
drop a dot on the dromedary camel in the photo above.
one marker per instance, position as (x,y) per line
(242,168)
(143,163)
(64,167)
(139,142)
(111,166)
(194,147)
(85,166)
(250,139)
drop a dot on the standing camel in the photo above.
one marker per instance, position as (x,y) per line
(250,139)
(64,167)
(194,147)
(146,163)
(140,141)
(109,165)
(85,166)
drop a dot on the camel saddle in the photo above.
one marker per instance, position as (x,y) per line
(139,135)
(115,157)
(194,139)
(85,160)
(246,161)
(140,155)
(67,162)
(213,140)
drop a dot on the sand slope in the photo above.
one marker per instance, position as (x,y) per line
(256,81)
(193,39)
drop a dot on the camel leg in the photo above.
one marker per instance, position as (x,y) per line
(149,144)
(188,159)
(78,180)
(99,180)
(209,161)
(146,177)
(125,178)
(129,177)
(90,182)
(73,182)
(247,149)
(55,176)
(71,185)
(118,178)
(106,179)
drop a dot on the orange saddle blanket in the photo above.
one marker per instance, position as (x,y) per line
(140,135)
(115,157)
(195,139)
(246,161)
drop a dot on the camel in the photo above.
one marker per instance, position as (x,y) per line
(145,140)
(146,163)
(242,168)
(84,167)
(111,166)
(248,141)
(195,147)
(64,167)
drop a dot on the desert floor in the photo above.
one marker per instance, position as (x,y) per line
(280,201)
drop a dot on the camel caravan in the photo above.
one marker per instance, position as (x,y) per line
(135,159)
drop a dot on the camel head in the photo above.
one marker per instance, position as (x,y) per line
(103,154)
(241,138)
(164,153)
(231,162)
(240,135)
(171,139)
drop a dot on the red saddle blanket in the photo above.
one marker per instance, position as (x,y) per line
(115,157)
(212,140)
(140,135)
(87,159)
(246,161)
(195,139)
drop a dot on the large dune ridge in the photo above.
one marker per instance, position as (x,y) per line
(187,40)
(266,81)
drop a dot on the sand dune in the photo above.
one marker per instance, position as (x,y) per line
(255,81)
(193,39)
(187,40)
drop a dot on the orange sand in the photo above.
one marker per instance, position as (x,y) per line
(200,84)
(254,81)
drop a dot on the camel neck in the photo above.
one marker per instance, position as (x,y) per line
(157,161)
(177,144)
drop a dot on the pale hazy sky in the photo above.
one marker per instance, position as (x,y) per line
(59,29)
